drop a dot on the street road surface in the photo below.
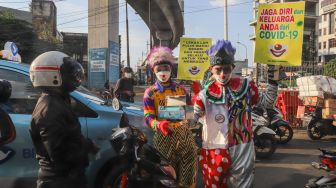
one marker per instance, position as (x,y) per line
(290,167)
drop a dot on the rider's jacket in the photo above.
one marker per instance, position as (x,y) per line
(60,147)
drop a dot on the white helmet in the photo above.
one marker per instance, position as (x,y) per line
(56,69)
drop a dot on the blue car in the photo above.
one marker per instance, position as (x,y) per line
(18,166)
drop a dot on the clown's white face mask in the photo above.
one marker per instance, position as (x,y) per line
(163,76)
(162,72)
(222,73)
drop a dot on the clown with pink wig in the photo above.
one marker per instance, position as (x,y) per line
(173,140)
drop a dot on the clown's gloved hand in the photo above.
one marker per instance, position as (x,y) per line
(163,126)
(275,74)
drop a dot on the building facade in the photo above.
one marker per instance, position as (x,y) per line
(326,31)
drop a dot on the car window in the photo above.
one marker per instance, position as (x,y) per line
(90,95)
(24,95)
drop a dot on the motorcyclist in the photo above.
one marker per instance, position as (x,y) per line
(174,141)
(124,87)
(61,149)
(6,124)
(227,154)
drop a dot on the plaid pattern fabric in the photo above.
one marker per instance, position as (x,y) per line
(180,149)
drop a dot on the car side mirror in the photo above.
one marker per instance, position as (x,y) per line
(7,129)
(116,105)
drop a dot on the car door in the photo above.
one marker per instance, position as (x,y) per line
(22,166)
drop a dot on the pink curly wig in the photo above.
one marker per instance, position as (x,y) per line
(160,55)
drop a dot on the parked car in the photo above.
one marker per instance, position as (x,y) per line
(95,115)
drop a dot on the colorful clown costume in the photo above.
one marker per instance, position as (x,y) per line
(227,155)
(179,147)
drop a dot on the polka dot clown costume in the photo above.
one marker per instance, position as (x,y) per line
(227,154)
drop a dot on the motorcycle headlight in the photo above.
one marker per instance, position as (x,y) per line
(168,170)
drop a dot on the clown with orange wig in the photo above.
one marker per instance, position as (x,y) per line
(174,141)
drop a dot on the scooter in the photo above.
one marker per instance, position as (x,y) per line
(284,132)
(328,163)
(264,137)
(316,126)
(140,164)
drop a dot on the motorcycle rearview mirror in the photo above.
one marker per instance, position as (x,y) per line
(116,105)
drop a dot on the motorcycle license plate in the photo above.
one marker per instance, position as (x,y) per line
(306,120)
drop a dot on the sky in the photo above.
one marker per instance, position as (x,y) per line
(203,19)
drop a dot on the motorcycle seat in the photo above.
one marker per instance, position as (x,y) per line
(328,152)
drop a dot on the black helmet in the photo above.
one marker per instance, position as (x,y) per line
(5,90)
(127,69)
(72,74)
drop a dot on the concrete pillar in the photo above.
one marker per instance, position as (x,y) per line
(44,15)
(103,23)
(103,38)
(165,37)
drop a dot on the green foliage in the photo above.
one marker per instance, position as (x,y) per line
(329,69)
(22,34)
(6,15)
(46,34)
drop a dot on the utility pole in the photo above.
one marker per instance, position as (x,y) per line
(226,37)
(119,56)
(150,25)
(127,37)
(244,47)
(147,47)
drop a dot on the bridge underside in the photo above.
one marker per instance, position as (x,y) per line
(164,18)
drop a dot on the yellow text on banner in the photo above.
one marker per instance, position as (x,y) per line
(193,60)
(279,33)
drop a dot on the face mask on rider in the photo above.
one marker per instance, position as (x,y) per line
(128,75)
(163,76)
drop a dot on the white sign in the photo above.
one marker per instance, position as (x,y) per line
(10,52)
(97,65)
(114,59)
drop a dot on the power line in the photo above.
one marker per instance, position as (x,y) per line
(102,25)
(207,9)
(100,11)
(190,12)
(88,11)
(15,2)
(95,14)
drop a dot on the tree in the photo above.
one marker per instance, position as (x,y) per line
(23,35)
(329,69)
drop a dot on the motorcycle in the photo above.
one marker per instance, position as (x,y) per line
(328,163)
(284,132)
(264,138)
(140,165)
(316,126)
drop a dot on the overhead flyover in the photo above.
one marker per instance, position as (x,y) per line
(163,17)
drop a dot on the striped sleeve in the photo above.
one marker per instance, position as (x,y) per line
(268,98)
(254,93)
(199,107)
(149,109)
